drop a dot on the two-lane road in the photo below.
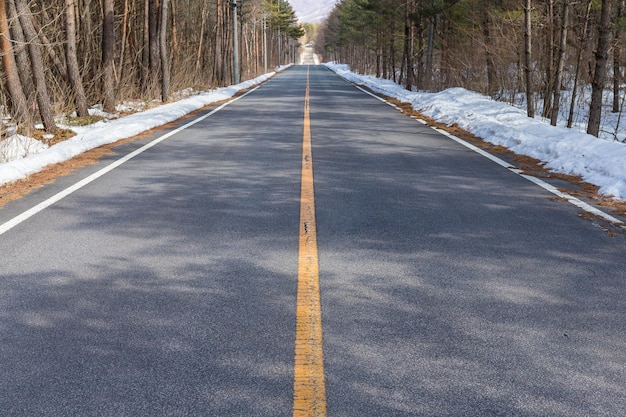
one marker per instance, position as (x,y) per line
(448,284)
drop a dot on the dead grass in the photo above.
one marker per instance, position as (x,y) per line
(83,120)
(60,136)
(18,189)
(617,206)
(608,228)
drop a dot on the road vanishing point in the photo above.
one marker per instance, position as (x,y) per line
(307,250)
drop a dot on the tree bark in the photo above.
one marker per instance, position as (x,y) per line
(37,66)
(14,85)
(549,60)
(561,63)
(528,71)
(617,76)
(108,56)
(165,65)
(73,72)
(597,85)
(153,32)
(201,42)
(428,72)
(583,38)
(21,54)
(120,70)
(409,37)
(492,87)
(145,57)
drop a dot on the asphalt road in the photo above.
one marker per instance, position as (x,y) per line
(450,286)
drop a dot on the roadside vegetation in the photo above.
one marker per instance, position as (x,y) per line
(60,58)
(540,54)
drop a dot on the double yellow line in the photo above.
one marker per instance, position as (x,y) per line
(309,387)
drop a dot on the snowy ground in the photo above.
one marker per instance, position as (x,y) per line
(599,161)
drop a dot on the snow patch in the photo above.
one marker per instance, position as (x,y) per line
(21,156)
(599,161)
(17,147)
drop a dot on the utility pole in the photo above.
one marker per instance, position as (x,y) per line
(235,43)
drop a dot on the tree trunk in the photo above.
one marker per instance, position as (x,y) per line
(561,63)
(37,66)
(73,72)
(549,61)
(392,52)
(145,56)
(21,54)
(201,42)
(582,40)
(108,55)
(153,32)
(428,70)
(528,71)
(419,75)
(175,45)
(597,85)
(165,65)
(14,85)
(617,78)
(491,68)
(407,60)
(123,37)
(88,52)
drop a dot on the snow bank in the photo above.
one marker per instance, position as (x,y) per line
(106,132)
(598,161)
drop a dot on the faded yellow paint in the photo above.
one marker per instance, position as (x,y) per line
(309,387)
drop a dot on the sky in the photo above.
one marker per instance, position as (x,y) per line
(312,11)
(599,161)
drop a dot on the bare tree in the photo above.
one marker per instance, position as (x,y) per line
(409,40)
(580,44)
(489,61)
(20,51)
(108,55)
(73,71)
(14,85)
(37,65)
(558,79)
(597,85)
(153,44)
(528,70)
(165,65)
(617,52)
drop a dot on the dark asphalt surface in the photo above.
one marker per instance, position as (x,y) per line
(450,286)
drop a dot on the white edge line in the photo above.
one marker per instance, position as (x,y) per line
(550,188)
(62,194)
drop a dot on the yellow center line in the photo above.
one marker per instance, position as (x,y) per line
(309,397)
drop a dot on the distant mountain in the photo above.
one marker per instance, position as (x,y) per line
(312,11)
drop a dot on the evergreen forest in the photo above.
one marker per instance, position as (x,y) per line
(533,49)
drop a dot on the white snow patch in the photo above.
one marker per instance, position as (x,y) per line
(599,161)
(21,156)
